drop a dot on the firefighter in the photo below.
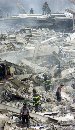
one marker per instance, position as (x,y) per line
(2,71)
(58,93)
(24,114)
(36,100)
(47,82)
(12,71)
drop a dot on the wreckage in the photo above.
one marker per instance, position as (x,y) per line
(46,52)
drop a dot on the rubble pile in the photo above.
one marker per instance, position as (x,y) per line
(43,52)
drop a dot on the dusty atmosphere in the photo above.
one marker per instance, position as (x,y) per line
(37,66)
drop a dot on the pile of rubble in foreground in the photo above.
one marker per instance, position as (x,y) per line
(46,51)
(52,115)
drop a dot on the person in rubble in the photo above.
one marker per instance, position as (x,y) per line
(36,100)
(45,77)
(24,114)
(47,82)
(58,93)
(2,71)
(12,71)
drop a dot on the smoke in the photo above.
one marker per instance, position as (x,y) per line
(55,5)
(73,1)
(10,6)
(13,7)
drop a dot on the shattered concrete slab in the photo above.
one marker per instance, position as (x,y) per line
(41,53)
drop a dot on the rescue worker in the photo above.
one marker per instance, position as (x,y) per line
(45,77)
(47,82)
(24,114)
(2,71)
(12,71)
(36,100)
(58,92)
(8,71)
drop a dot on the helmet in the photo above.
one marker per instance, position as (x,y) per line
(34,90)
(24,104)
(61,84)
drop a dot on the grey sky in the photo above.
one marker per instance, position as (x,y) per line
(10,6)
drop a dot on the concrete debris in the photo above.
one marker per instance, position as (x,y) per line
(41,59)
(67,118)
(3,119)
(72,107)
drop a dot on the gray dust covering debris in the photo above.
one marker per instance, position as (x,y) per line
(38,54)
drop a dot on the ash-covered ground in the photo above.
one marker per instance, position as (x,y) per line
(33,53)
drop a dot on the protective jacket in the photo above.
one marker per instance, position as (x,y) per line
(36,99)
(24,111)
